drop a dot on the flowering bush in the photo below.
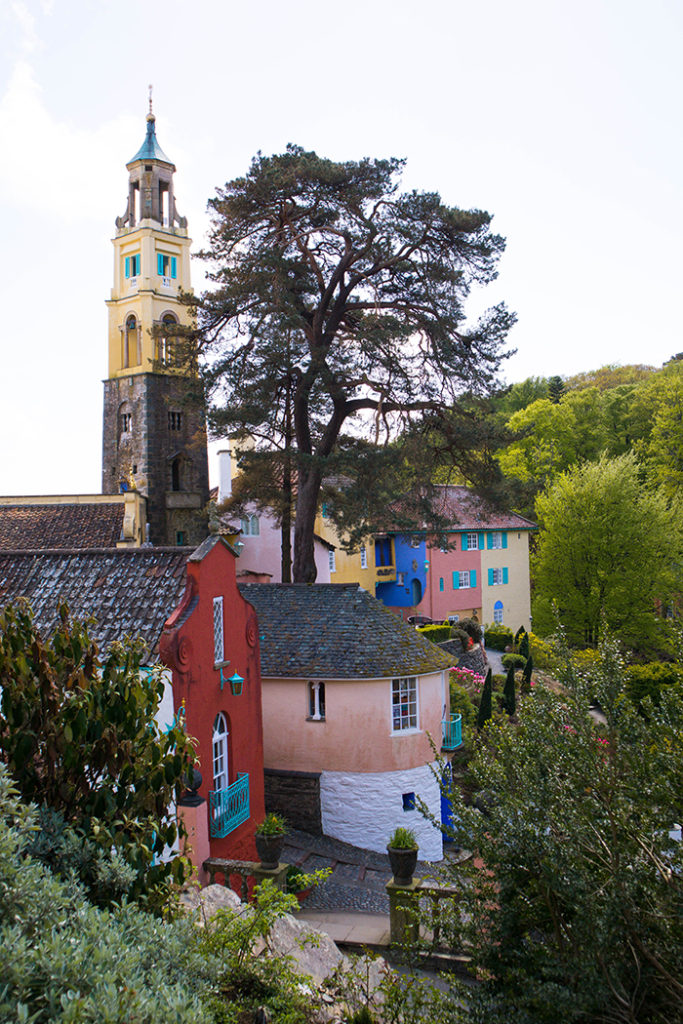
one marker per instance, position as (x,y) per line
(467,678)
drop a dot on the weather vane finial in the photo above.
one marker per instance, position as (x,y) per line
(150,101)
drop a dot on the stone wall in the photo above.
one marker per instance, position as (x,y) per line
(296,796)
(147,451)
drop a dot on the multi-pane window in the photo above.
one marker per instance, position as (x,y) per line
(465,579)
(175,420)
(470,542)
(363,557)
(404,703)
(498,611)
(251,525)
(220,752)
(126,422)
(497,577)
(496,540)
(316,701)
(332,561)
(218,644)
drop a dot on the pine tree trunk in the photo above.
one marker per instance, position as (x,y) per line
(306,508)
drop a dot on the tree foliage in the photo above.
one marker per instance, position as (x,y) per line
(607,550)
(336,288)
(78,733)
(577,912)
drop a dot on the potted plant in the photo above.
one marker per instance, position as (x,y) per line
(269,837)
(402,850)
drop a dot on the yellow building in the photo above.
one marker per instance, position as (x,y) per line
(154,433)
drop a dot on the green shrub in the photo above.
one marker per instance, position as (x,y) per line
(461,704)
(498,637)
(542,652)
(644,681)
(518,660)
(485,706)
(435,633)
(472,628)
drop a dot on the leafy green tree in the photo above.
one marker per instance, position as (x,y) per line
(327,276)
(79,734)
(485,706)
(574,910)
(607,550)
(662,451)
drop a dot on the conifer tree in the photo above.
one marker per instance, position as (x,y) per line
(329,279)
(526,675)
(509,700)
(485,708)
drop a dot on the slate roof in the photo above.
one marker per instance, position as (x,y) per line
(130,591)
(150,148)
(69,525)
(335,631)
(465,510)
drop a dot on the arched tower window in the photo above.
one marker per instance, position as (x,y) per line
(165,350)
(220,752)
(176,474)
(125,423)
(131,342)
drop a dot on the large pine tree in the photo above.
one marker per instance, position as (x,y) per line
(336,289)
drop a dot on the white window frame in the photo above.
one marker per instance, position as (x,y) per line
(497,540)
(498,613)
(497,578)
(472,542)
(218,632)
(363,557)
(464,579)
(332,560)
(405,716)
(219,751)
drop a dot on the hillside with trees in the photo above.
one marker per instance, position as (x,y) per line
(597,461)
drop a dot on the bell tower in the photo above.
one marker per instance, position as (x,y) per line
(154,436)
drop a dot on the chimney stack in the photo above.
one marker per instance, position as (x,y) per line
(224,475)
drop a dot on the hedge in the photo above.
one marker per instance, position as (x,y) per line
(498,637)
(435,633)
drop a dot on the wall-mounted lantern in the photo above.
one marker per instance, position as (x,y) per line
(236,683)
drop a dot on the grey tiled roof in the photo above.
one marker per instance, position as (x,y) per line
(335,631)
(127,591)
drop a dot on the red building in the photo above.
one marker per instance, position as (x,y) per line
(186,607)
(211,643)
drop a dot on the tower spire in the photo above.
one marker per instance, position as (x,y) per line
(150,115)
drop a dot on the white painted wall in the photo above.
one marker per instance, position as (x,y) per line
(364,808)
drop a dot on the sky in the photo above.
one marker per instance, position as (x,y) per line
(561,119)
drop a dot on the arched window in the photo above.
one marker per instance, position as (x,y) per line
(416,592)
(130,342)
(166,342)
(175,474)
(498,611)
(220,752)
(125,423)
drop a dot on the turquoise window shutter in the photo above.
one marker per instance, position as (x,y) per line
(505,539)
(456,581)
(160,264)
(473,577)
(440,582)
(136,264)
(481,541)
(127,266)
(489,541)
(490,577)
(174,266)
(505,575)
(463,541)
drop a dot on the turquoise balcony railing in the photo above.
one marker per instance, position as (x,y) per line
(451,733)
(229,807)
